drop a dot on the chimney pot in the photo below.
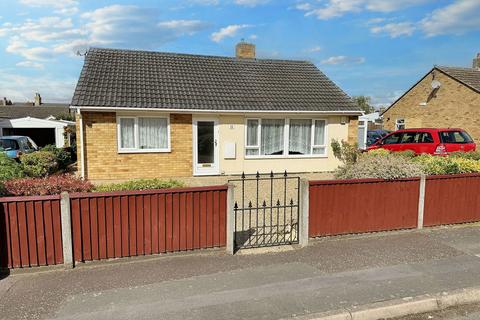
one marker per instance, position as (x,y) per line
(245,50)
(476,62)
(38,100)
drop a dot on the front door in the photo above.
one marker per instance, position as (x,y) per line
(205,147)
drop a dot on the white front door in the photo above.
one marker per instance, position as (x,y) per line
(205,147)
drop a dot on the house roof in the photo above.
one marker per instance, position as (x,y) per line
(22,110)
(469,77)
(141,79)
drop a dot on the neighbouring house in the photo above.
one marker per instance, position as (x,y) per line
(149,114)
(444,97)
(370,121)
(36,120)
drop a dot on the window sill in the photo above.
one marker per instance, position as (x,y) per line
(320,156)
(144,151)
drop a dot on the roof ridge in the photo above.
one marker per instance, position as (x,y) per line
(455,67)
(176,54)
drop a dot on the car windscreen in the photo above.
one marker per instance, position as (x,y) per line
(8,144)
(455,137)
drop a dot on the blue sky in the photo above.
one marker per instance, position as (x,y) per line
(368,47)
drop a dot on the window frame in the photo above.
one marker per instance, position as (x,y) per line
(286,139)
(400,121)
(136,134)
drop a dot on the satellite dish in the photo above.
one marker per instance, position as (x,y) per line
(436,84)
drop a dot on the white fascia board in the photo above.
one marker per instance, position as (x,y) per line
(348,112)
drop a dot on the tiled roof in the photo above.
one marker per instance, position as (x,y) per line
(468,76)
(22,110)
(141,79)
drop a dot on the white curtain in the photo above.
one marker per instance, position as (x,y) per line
(153,133)
(300,133)
(272,136)
(127,133)
(319,138)
(252,132)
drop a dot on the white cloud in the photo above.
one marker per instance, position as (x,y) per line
(338,8)
(395,29)
(338,60)
(30,64)
(251,3)
(229,31)
(65,7)
(314,49)
(253,37)
(457,18)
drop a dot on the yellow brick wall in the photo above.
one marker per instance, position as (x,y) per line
(105,163)
(454,105)
(352,130)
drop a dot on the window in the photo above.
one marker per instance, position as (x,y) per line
(409,137)
(143,134)
(400,124)
(455,137)
(285,137)
(392,139)
(425,137)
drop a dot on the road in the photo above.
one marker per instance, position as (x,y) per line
(330,274)
(469,312)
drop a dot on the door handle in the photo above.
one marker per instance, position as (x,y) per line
(216,142)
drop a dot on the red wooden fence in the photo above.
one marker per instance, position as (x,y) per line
(452,199)
(366,205)
(30,231)
(125,224)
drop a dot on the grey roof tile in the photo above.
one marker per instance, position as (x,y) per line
(22,110)
(142,79)
(468,76)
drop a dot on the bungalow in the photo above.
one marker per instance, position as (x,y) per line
(150,114)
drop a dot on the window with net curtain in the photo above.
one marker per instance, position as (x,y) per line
(267,136)
(144,133)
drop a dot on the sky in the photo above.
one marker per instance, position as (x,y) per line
(378,48)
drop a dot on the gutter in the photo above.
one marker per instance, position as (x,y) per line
(113,109)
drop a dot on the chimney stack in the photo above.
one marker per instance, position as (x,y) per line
(38,100)
(245,50)
(476,62)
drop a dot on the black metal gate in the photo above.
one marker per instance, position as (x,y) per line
(266,210)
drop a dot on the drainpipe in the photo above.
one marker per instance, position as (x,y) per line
(82,167)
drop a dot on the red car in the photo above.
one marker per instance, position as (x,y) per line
(426,140)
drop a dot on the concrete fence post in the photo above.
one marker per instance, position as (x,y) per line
(421,202)
(230,219)
(66,230)
(304,212)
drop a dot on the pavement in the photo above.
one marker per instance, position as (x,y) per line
(464,312)
(331,274)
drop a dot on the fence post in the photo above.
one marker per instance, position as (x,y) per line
(230,218)
(421,202)
(66,230)
(304,212)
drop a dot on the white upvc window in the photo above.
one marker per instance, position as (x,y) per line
(278,137)
(400,124)
(143,134)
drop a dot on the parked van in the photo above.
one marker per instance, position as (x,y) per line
(427,140)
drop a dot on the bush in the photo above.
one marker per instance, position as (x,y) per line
(388,167)
(435,165)
(39,164)
(473,155)
(46,186)
(62,156)
(142,184)
(9,168)
(345,152)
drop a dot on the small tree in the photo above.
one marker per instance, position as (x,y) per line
(345,152)
(364,103)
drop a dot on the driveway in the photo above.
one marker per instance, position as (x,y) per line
(332,273)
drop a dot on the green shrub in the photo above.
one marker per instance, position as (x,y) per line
(388,167)
(142,184)
(345,152)
(9,168)
(62,156)
(435,165)
(473,155)
(39,163)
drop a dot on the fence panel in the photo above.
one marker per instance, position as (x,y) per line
(366,205)
(452,199)
(30,232)
(125,224)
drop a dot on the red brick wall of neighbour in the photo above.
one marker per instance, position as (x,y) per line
(355,206)
(30,232)
(126,224)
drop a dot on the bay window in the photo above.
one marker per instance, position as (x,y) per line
(285,137)
(143,134)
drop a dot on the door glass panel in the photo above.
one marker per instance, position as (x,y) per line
(205,142)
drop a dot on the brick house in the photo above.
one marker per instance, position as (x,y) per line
(150,114)
(444,97)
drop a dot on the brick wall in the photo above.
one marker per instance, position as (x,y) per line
(352,130)
(105,163)
(454,105)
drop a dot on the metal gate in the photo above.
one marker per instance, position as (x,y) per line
(266,210)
